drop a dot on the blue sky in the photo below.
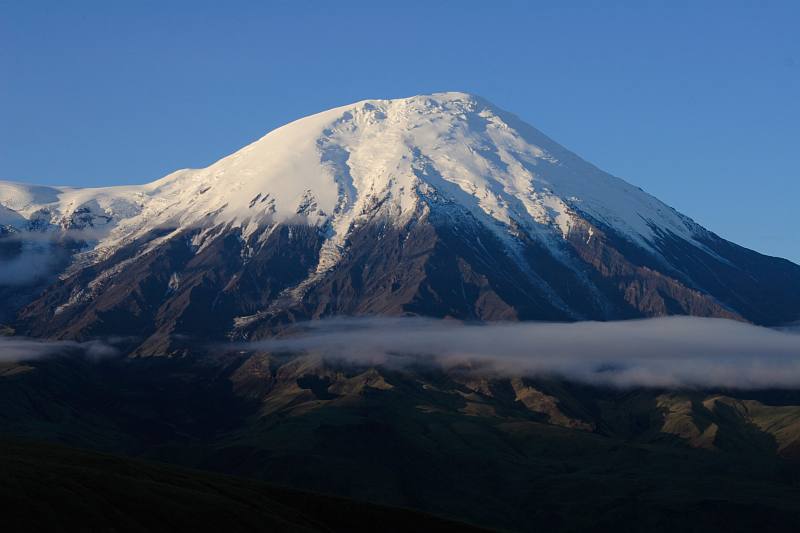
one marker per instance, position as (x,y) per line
(696,102)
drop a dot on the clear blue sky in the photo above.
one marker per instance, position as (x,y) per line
(696,102)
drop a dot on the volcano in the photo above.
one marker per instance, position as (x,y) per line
(439,205)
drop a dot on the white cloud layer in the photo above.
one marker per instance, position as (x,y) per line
(662,352)
(18,349)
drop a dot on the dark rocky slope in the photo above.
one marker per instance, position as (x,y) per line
(441,264)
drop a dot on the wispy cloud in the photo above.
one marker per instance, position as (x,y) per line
(40,253)
(663,352)
(35,260)
(19,349)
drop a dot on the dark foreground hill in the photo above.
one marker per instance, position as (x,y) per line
(46,487)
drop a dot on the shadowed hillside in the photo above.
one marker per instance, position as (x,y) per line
(513,454)
(44,487)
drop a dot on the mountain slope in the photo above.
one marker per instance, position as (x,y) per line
(440,205)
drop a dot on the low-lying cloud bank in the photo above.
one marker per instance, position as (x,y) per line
(20,349)
(662,352)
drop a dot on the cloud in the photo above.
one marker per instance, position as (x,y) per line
(662,352)
(34,261)
(39,254)
(19,349)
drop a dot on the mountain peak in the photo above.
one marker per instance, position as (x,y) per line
(457,144)
(332,167)
(437,98)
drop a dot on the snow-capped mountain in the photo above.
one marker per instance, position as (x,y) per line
(440,205)
(330,168)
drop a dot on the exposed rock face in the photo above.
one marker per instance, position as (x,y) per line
(173,292)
